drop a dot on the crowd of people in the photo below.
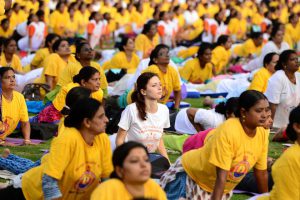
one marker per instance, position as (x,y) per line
(115,75)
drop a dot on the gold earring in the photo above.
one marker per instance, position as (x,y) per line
(243,120)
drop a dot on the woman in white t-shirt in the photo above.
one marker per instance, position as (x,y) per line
(145,119)
(283,90)
(194,120)
(276,44)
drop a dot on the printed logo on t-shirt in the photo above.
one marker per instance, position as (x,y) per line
(238,171)
(85,180)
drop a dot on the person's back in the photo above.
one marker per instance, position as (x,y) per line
(286,175)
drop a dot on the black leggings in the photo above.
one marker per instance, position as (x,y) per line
(12,193)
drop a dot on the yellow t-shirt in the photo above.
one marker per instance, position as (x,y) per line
(82,20)
(115,189)
(257,19)
(220,58)
(60,100)
(138,18)
(292,33)
(58,22)
(194,73)
(260,80)
(39,57)
(119,61)
(229,149)
(7,33)
(170,81)
(73,69)
(15,62)
(2,5)
(12,112)
(247,48)
(286,175)
(77,166)
(54,65)
(145,45)
(237,27)
(17,18)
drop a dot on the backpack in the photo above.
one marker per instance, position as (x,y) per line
(35,91)
(159,164)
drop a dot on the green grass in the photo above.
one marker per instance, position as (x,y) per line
(34,152)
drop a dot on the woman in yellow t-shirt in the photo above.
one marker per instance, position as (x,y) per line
(84,57)
(13,108)
(59,19)
(261,77)
(125,59)
(237,145)
(4,5)
(41,54)
(147,40)
(5,30)
(251,48)
(131,176)
(169,77)
(285,171)
(78,158)
(221,54)
(291,29)
(200,69)
(9,57)
(57,61)
(88,77)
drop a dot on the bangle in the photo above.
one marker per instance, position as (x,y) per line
(27,140)
(2,141)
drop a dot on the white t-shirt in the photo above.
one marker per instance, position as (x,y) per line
(147,132)
(283,92)
(207,118)
(269,47)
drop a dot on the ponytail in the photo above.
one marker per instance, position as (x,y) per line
(139,100)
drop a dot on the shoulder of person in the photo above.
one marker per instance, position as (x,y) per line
(163,107)
(18,95)
(151,183)
(114,182)
(69,135)
(278,75)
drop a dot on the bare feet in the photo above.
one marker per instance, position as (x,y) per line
(7,144)
(5,153)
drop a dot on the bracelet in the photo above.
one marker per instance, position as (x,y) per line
(2,142)
(28,140)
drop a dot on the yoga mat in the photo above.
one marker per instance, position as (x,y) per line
(19,141)
(244,192)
